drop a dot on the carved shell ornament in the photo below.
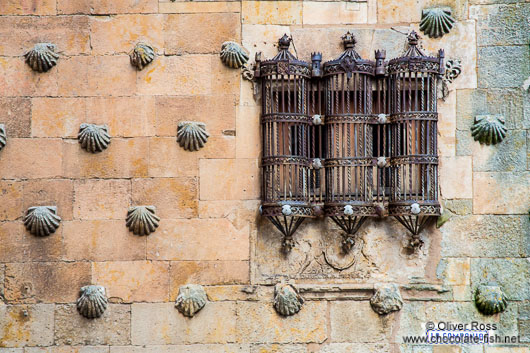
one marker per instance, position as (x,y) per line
(92,301)
(191,299)
(233,55)
(94,138)
(42,57)
(489,129)
(437,21)
(142,55)
(42,220)
(142,220)
(192,135)
(490,299)
(3,136)
(287,301)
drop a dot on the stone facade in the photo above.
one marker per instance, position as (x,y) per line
(210,232)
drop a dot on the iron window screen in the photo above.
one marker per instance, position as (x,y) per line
(349,139)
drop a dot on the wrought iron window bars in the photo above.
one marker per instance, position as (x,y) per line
(349,139)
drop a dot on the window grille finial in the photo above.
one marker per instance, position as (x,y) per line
(348,40)
(284,42)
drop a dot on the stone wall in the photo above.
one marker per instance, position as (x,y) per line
(210,231)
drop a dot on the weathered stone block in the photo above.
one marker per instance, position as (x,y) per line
(501,24)
(510,273)
(101,240)
(459,206)
(133,281)
(485,236)
(167,159)
(101,199)
(68,349)
(507,156)
(168,6)
(179,28)
(123,6)
(48,282)
(57,117)
(195,348)
(18,79)
(454,271)
(57,192)
(11,207)
(113,328)
(505,349)
(456,177)
(67,7)
(69,33)
(176,75)
(240,213)
(119,34)
(207,273)
(96,75)
(26,325)
(500,193)
(18,245)
(318,12)
(16,115)
(345,316)
(27,7)
(505,66)
(125,116)
(196,108)
(224,79)
(198,239)
(31,158)
(125,158)
(161,323)
(248,141)
(464,143)
(259,323)
(229,179)
(279,348)
(357,348)
(271,12)
(173,197)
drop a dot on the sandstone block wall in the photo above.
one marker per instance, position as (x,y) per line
(210,231)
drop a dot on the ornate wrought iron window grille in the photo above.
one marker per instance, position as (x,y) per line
(349,139)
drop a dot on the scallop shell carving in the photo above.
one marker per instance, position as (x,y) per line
(3,136)
(191,299)
(94,138)
(42,220)
(142,220)
(192,135)
(489,129)
(233,55)
(142,55)
(287,301)
(437,21)
(42,57)
(92,301)
(490,299)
